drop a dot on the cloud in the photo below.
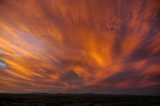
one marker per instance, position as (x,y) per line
(82,46)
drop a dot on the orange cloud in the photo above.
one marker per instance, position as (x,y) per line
(61,45)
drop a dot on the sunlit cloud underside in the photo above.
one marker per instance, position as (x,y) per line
(80,46)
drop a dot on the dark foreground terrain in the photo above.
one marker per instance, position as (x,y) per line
(77,100)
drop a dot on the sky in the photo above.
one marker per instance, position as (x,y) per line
(80,46)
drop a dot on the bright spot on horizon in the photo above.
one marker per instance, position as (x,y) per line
(2,65)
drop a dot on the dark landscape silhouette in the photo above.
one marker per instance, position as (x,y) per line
(44,99)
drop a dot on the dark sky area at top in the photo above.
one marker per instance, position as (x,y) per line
(80,46)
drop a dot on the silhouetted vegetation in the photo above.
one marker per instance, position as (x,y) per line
(77,100)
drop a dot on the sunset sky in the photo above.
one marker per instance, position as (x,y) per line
(80,46)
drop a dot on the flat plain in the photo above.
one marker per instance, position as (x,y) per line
(77,100)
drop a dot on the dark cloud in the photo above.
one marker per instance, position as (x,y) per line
(155,78)
(72,78)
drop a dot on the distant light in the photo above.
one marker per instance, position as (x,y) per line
(2,65)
